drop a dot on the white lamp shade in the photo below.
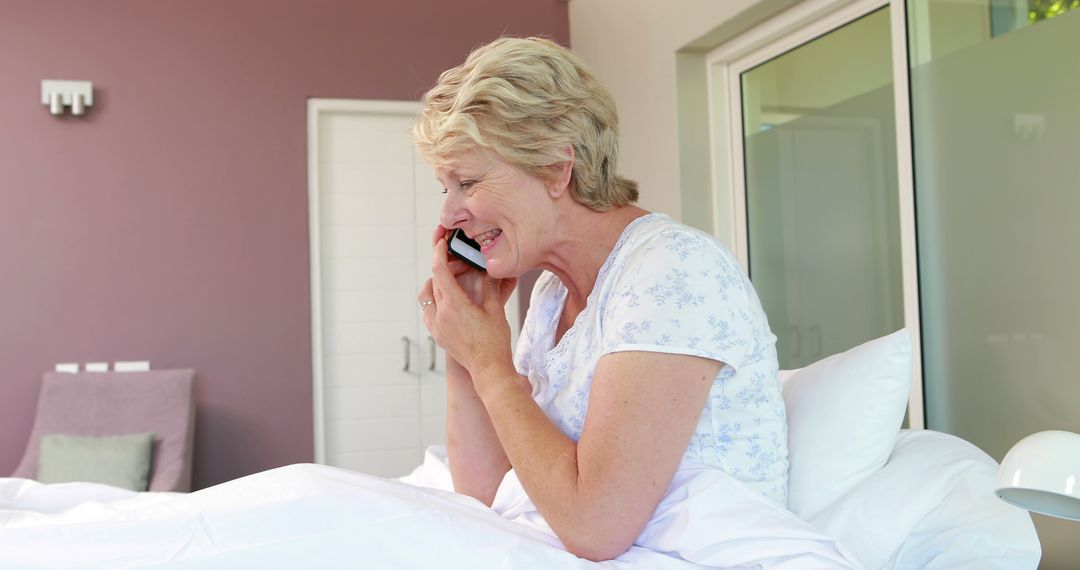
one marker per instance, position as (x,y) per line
(1041,473)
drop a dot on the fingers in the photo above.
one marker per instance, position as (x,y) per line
(506,288)
(497,292)
(426,299)
(426,293)
(444,281)
(438,234)
(491,293)
(457,267)
(429,322)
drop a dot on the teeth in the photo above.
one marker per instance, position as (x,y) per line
(487,237)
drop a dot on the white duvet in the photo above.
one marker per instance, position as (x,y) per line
(926,509)
(310,516)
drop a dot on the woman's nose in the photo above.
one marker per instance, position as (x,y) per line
(453,212)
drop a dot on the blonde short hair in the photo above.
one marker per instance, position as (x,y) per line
(528,99)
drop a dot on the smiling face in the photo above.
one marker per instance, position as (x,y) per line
(504,209)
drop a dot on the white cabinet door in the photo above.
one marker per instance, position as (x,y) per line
(432,374)
(379,381)
(365,320)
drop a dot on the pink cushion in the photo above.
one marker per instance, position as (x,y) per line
(119,403)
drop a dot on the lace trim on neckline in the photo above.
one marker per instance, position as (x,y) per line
(590,302)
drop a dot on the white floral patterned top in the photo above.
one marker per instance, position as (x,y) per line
(666,287)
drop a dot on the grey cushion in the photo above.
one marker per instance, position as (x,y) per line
(117,460)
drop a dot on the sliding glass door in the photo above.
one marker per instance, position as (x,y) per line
(995,100)
(950,211)
(821,193)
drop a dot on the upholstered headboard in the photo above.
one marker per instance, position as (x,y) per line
(115,403)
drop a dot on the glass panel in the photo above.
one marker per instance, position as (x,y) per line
(822,215)
(997,180)
(1006,16)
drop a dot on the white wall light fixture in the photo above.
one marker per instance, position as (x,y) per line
(58,94)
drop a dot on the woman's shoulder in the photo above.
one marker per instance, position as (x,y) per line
(659,241)
(674,267)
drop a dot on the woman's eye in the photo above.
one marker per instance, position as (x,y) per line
(466,187)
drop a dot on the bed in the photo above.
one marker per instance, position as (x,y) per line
(864,494)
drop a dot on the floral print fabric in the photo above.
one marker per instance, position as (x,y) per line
(669,288)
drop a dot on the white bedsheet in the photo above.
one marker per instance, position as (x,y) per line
(28,495)
(310,516)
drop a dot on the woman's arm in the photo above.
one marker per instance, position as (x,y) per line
(477,460)
(599,493)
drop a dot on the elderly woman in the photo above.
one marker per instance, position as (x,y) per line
(645,349)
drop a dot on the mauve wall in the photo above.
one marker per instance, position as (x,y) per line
(170,224)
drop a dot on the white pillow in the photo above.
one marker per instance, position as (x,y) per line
(843,415)
(932,506)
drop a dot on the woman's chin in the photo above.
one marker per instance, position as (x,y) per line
(498,270)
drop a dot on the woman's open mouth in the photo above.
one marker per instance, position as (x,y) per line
(487,239)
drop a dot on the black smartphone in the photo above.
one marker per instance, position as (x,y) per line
(466,250)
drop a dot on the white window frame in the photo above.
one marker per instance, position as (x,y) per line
(790,29)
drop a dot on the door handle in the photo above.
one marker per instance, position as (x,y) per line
(431,344)
(816,329)
(798,341)
(405,345)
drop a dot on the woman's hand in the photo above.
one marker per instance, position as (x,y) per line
(469,278)
(468,317)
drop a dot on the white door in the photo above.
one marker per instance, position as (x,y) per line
(379,380)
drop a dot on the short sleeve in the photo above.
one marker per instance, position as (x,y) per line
(681,292)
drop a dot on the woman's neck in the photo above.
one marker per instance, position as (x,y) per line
(579,253)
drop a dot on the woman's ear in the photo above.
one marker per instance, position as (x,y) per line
(563,171)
